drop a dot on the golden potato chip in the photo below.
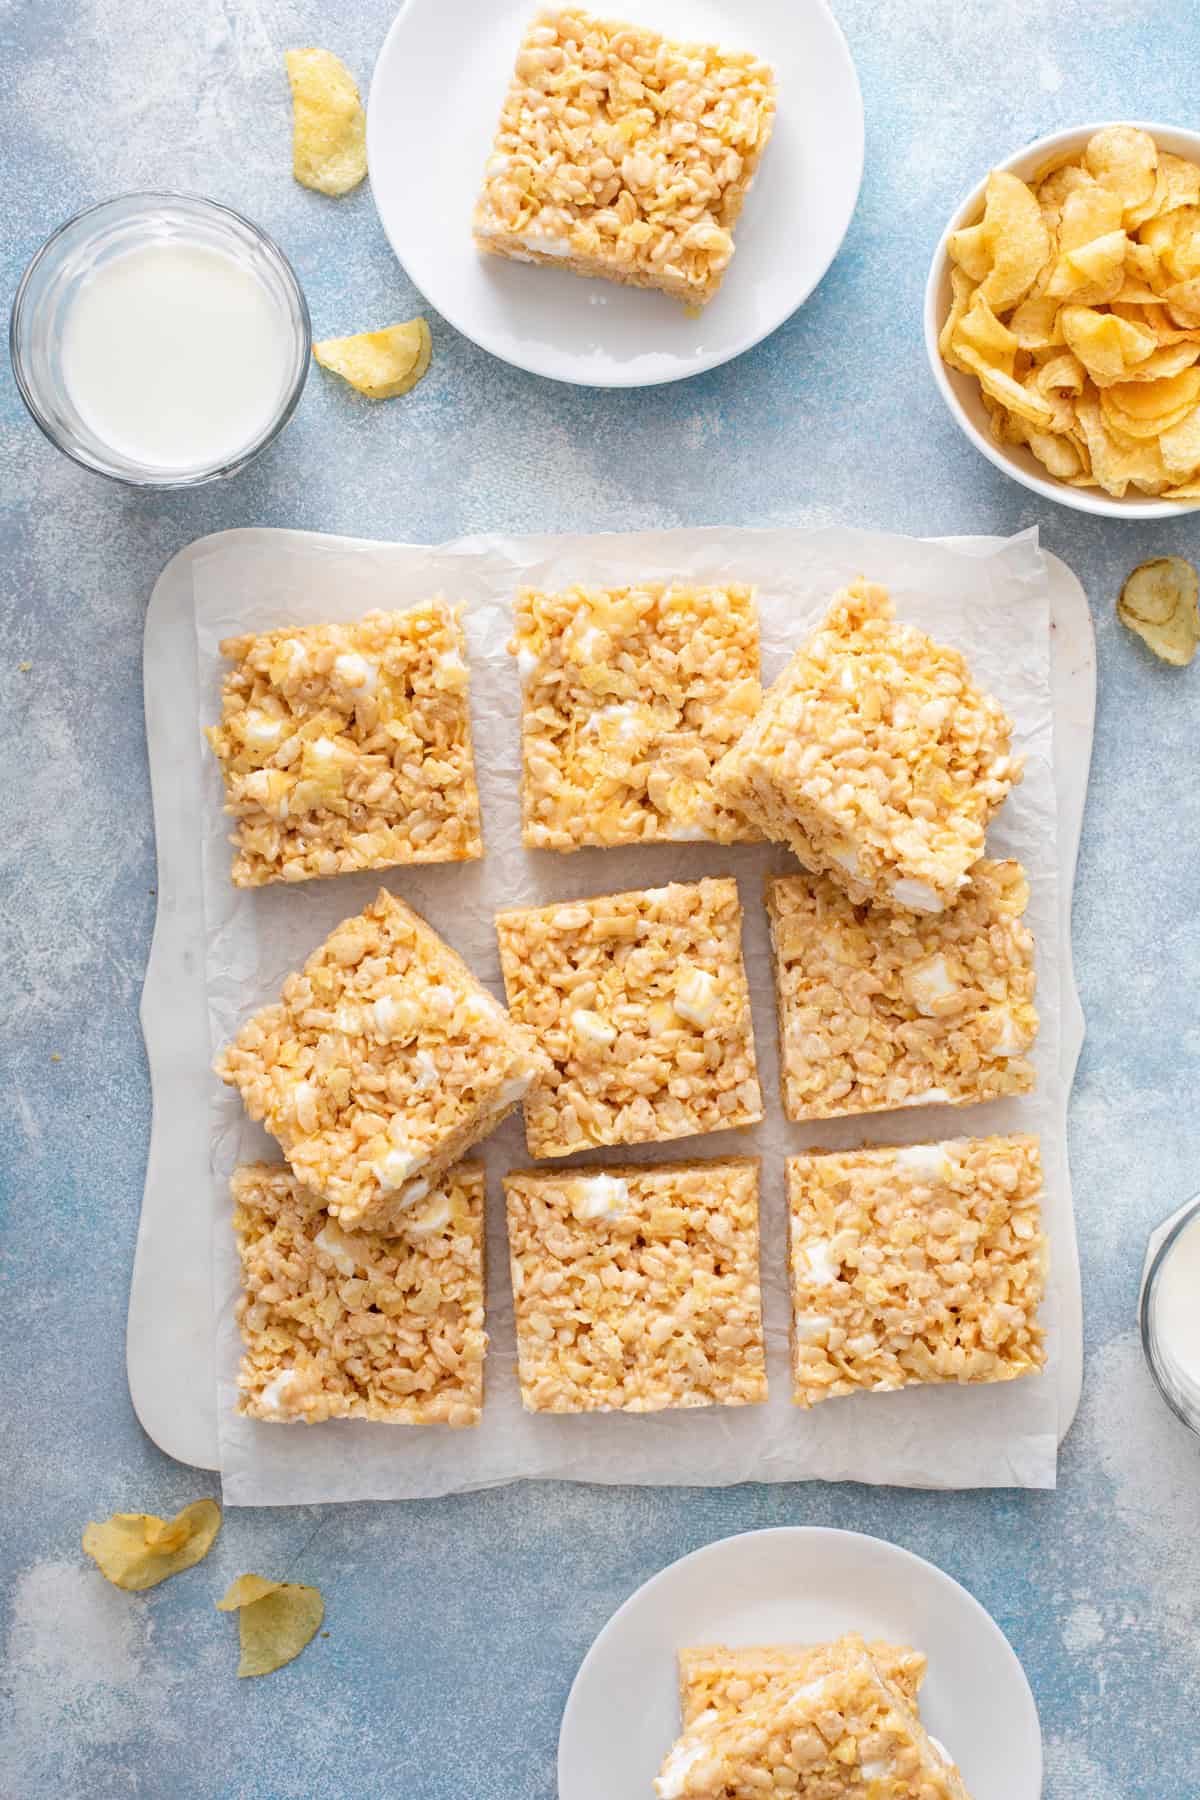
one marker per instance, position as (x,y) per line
(276,1620)
(1125,162)
(1053,189)
(1181,180)
(1105,345)
(1064,371)
(1181,258)
(1159,603)
(1091,274)
(1057,452)
(971,249)
(1019,241)
(1008,391)
(1088,213)
(980,330)
(1188,490)
(1157,399)
(961,289)
(1117,461)
(1183,302)
(1180,446)
(136,1551)
(380,364)
(1035,325)
(329,126)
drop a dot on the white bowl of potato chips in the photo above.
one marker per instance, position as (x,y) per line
(1062,319)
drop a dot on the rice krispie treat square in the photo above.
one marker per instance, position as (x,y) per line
(848,1735)
(876,758)
(718,1678)
(630,697)
(921,1264)
(640,1001)
(624,155)
(637,1289)
(880,1009)
(348,746)
(382,1063)
(360,1325)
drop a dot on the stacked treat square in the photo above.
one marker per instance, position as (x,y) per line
(903,976)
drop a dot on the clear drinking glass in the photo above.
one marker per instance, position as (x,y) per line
(1180,1393)
(133,222)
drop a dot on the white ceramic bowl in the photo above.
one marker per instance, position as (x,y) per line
(962,393)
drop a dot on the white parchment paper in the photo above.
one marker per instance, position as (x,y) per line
(993,605)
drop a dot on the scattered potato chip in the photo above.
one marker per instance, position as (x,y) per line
(380,364)
(1159,602)
(276,1620)
(329,126)
(136,1551)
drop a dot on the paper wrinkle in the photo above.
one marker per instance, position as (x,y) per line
(990,602)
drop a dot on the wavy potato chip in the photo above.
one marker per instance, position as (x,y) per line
(380,364)
(1018,240)
(1057,452)
(961,289)
(1106,346)
(1092,274)
(136,1551)
(1159,602)
(329,126)
(981,331)
(1116,460)
(1180,446)
(1124,161)
(1157,399)
(1035,324)
(971,249)
(276,1619)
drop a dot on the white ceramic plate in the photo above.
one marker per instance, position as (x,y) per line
(434,104)
(797,1585)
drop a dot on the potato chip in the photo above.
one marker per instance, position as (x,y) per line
(136,1551)
(276,1620)
(1094,363)
(380,364)
(1019,241)
(1105,345)
(1159,602)
(329,126)
(1180,446)
(1125,162)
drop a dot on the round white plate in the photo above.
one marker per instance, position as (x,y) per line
(434,105)
(797,1585)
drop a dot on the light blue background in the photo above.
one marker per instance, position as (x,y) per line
(456,1627)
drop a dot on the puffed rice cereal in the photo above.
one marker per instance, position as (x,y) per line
(637,1289)
(382,1063)
(624,155)
(719,1678)
(348,746)
(875,758)
(920,1264)
(360,1325)
(880,1009)
(629,697)
(641,1003)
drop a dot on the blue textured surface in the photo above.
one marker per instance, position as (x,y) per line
(456,1627)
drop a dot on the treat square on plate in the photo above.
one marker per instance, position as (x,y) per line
(920,1264)
(348,747)
(637,1288)
(630,696)
(624,155)
(723,1679)
(846,1735)
(641,1003)
(383,1061)
(880,1009)
(875,758)
(360,1325)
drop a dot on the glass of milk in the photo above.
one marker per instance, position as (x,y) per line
(1170,1311)
(160,339)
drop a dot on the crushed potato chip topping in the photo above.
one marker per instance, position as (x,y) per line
(329,126)
(380,364)
(1159,602)
(1075,304)
(276,1620)
(136,1551)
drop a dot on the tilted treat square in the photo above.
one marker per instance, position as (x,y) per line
(641,1003)
(921,1264)
(880,1009)
(637,1288)
(348,746)
(876,758)
(847,1735)
(382,1063)
(721,1679)
(630,697)
(624,155)
(360,1325)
